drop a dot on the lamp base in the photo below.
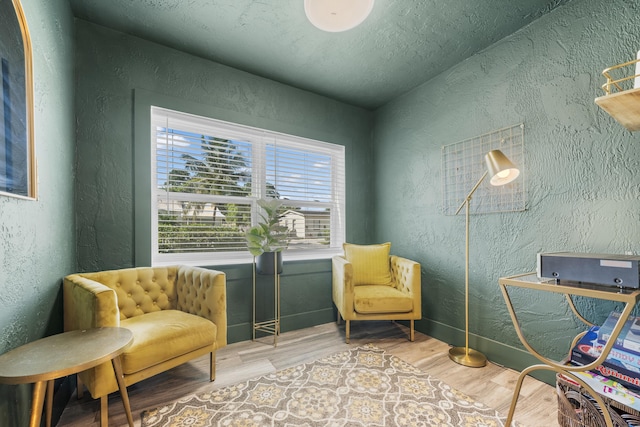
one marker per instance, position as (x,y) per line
(467,357)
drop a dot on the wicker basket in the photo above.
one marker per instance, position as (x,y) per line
(576,408)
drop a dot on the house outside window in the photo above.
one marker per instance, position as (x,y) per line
(207,176)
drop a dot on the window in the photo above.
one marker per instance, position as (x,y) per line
(17,154)
(207,176)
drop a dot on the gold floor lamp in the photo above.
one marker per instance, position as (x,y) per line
(501,171)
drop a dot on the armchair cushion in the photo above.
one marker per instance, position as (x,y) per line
(182,332)
(370,263)
(381,299)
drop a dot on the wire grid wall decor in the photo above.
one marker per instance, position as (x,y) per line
(463,164)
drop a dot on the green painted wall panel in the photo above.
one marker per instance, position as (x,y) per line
(37,238)
(305,296)
(119,77)
(581,172)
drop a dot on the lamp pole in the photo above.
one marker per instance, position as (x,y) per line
(501,171)
(464,355)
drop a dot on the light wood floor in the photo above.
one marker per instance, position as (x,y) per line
(493,385)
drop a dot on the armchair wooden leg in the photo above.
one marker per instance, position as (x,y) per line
(347,329)
(79,387)
(212,366)
(104,411)
(338,319)
(412,335)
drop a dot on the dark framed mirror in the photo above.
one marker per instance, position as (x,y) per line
(17,151)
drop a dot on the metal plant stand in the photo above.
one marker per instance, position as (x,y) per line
(269,326)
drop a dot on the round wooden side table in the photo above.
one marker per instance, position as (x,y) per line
(42,361)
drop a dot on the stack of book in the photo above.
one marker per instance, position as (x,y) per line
(622,365)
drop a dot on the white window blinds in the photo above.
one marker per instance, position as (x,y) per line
(208,175)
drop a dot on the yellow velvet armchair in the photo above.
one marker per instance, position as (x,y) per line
(370,284)
(176,314)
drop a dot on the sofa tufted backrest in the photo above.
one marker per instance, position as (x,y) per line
(197,294)
(140,290)
(203,292)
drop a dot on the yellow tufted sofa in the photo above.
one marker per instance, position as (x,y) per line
(175,313)
(371,284)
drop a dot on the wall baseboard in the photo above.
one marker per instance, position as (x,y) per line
(497,352)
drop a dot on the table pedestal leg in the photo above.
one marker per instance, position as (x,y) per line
(49,400)
(117,368)
(36,404)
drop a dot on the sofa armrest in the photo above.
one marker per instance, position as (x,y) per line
(407,278)
(203,292)
(342,284)
(88,304)
(405,273)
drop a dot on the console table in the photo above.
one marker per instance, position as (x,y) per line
(42,361)
(629,297)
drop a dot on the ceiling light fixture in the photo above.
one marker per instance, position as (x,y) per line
(335,16)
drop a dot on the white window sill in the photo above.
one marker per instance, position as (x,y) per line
(245,258)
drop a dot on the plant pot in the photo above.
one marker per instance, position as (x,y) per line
(266,263)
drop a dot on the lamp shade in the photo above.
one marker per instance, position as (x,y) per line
(501,170)
(337,15)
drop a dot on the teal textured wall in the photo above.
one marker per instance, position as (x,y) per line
(115,71)
(37,238)
(581,172)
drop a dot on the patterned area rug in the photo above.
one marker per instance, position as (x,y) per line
(360,387)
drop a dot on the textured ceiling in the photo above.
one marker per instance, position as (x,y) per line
(401,45)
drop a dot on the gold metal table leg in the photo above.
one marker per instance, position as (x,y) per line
(560,367)
(37,402)
(527,371)
(49,403)
(117,369)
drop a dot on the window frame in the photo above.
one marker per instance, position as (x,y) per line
(259,139)
(22,139)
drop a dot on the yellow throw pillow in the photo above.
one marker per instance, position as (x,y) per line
(370,263)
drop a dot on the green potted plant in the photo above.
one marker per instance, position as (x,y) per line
(268,239)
